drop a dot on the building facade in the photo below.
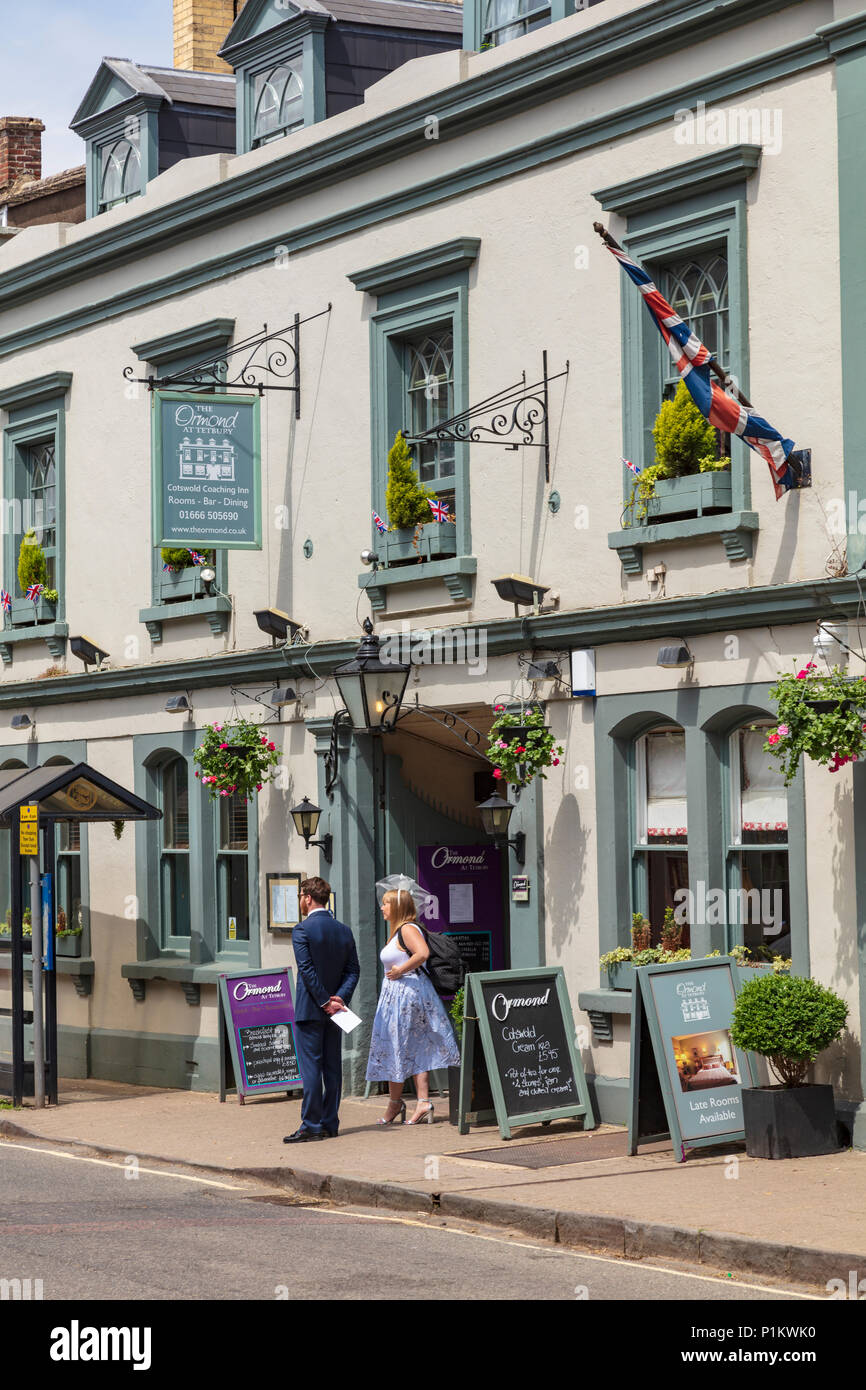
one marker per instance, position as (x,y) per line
(436,243)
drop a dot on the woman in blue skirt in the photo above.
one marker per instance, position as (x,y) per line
(412,1034)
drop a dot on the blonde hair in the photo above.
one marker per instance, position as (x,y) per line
(405,909)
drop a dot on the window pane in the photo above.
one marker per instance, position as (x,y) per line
(175,895)
(234,880)
(430,384)
(666,875)
(697,289)
(233,823)
(762,916)
(666,815)
(175,805)
(763,810)
(279,103)
(121,172)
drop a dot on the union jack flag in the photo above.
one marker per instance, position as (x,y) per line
(197,557)
(692,362)
(439,510)
(381,526)
(635,467)
(34,591)
(6,600)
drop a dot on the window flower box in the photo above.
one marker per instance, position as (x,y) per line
(176,585)
(26,613)
(69,945)
(436,539)
(692,495)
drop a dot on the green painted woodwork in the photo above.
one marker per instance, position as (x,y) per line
(490,96)
(174,352)
(658,189)
(38,391)
(708,715)
(137,116)
(202,947)
(448,258)
(277,37)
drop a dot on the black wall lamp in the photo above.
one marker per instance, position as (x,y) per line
(306,818)
(496,814)
(372,689)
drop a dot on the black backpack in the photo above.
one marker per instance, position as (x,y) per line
(444,965)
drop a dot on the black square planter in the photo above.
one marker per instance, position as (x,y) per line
(799,1122)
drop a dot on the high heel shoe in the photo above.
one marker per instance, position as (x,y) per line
(426,1116)
(400,1115)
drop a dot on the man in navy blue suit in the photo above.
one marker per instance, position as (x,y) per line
(328,971)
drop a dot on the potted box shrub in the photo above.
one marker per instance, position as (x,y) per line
(687,477)
(33,579)
(181,572)
(413,534)
(789,1020)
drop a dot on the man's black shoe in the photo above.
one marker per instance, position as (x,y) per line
(330,1133)
(302,1136)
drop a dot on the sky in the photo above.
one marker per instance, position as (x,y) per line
(47,66)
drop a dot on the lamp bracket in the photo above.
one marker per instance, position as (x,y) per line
(520,409)
(266,361)
(447,718)
(332,757)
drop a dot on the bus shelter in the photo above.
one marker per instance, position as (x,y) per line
(32,802)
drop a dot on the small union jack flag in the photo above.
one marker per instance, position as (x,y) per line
(380,525)
(440,510)
(34,591)
(635,467)
(197,557)
(6,600)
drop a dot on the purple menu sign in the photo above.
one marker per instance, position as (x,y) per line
(467,880)
(257,1006)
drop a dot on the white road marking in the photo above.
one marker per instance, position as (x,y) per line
(107,1163)
(575,1254)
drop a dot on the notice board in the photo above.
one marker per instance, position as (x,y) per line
(686,1075)
(523,1021)
(258,1019)
(207,487)
(467,882)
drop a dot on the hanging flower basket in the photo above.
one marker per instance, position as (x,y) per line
(235,759)
(821,716)
(521,746)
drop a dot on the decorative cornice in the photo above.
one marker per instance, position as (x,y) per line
(51,387)
(444,259)
(705,175)
(844,34)
(536,78)
(200,338)
(725,610)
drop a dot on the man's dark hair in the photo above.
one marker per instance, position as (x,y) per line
(317,889)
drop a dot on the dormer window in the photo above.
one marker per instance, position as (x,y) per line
(120,173)
(279,104)
(509,19)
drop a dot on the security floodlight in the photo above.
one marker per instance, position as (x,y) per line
(543,671)
(306,817)
(178,704)
(675,656)
(22,721)
(88,651)
(369,557)
(520,589)
(282,696)
(208,578)
(276,624)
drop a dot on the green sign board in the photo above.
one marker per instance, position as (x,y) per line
(525,1024)
(207,471)
(686,1074)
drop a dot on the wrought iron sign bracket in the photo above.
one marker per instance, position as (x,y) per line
(522,409)
(471,736)
(267,361)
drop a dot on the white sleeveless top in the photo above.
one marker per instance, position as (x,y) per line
(392,953)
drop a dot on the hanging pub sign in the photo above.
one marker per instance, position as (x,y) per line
(258,1017)
(686,1076)
(524,1021)
(207,471)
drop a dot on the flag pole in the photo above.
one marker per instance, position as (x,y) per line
(714,365)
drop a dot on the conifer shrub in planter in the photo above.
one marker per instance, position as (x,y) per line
(789,1020)
(408,505)
(687,476)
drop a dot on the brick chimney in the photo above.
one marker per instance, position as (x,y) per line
(20,149)
(200,28)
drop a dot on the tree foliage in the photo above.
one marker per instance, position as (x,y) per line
(407,501)
(32,564)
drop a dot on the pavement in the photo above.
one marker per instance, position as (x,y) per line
(802,1220)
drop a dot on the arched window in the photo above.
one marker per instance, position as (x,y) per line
(759,901)
(697,289)
(279,104)
(429,375)
(174,876)
(120,176)
(660,856)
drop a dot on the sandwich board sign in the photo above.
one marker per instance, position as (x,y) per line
(686,1075)
(258,1017)
(523,1021)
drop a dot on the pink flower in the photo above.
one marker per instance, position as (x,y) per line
(223,793)
(772,738)
(783,730)
(219,728)
(501,743)
(258,786)
(264,738)
(222,746)
(497,773)
(521,748)
(497,709)
(272,748)
(556,762)
(196,774)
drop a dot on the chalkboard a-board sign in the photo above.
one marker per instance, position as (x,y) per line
(686,1075)
(525,1024)
(257,1014)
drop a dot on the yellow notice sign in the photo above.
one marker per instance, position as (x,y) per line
(28,830)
